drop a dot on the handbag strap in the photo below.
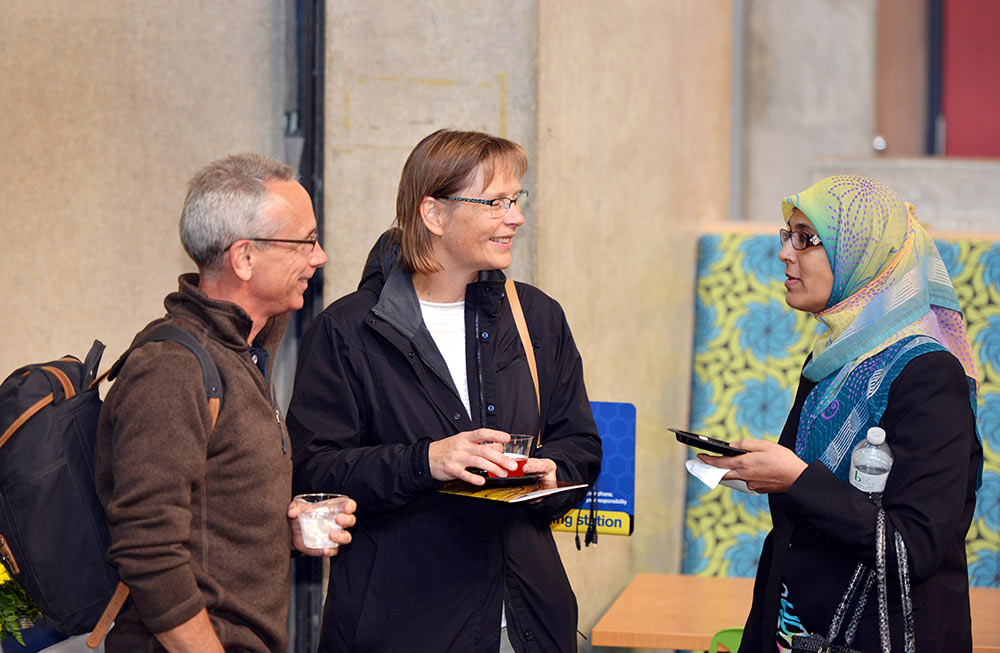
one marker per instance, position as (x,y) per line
(883,599)
(877,576)
(909,640)
(910,643)
(852,627)
(845,602)
(529,351)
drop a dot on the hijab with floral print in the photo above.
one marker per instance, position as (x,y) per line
(889,281)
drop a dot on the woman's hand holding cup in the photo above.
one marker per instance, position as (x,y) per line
(450,457)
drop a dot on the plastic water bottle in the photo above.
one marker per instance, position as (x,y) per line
(871,461)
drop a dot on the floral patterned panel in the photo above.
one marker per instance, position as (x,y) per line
(748,352)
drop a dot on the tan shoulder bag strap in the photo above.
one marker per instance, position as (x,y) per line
(529,351)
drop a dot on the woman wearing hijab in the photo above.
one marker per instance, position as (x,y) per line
(893,353)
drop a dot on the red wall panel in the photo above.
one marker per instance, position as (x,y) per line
(970,98)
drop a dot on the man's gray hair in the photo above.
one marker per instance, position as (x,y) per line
(224,203)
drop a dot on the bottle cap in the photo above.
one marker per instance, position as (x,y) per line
(876,435)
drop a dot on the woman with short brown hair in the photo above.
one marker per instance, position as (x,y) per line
(417,379)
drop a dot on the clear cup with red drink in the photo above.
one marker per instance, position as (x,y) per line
(517,448)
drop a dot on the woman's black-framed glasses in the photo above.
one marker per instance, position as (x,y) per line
(800,239)
(499,206)
(308,241)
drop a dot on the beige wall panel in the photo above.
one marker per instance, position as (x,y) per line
(397,72)
(950,194)
(810,79)
(633,157)
(107,109)
(902,52)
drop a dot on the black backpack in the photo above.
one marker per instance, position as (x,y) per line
(53,531)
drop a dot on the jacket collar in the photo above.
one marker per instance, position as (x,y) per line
(397,303)
(399,306)
(226,321)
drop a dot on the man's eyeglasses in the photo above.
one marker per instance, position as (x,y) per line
(308,241)
(800,239)
(499,206)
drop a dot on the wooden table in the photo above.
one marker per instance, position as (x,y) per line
(683,612)
(674,611)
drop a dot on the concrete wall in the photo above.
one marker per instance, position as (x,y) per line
(624,109)
(107,109)
(902,53)
(810,92)
(623,105)
(949,194)
(633,158)
(396,73)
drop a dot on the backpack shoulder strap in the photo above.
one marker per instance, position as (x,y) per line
(209,371)
(108,616)
(213,389)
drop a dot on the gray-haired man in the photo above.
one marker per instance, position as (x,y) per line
(200,517)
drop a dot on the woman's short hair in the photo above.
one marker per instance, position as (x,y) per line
(224,204)
(443,164)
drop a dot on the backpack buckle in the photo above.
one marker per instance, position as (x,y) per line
(7,557)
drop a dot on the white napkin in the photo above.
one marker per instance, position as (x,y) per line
(711,475)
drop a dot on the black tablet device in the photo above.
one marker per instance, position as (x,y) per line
(708,444)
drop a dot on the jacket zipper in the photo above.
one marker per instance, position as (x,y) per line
(479,373)
(511,622)
(277,418)
(274,406)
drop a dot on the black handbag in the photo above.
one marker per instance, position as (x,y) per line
(818,644)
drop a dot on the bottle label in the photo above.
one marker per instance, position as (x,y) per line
(868,482)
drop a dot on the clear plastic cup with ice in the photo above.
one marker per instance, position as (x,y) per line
(318,518)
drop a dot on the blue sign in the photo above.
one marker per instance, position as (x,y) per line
(610,504)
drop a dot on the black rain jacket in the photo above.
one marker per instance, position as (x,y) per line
(428,571)
(824,527)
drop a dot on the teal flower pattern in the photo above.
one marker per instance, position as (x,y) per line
(706,326)
(988,341)
(990,262)
(702,405)
(988,501)
(949,253)
(709,253)
(988,420)
(984,571)
(748,353)
(754,504)
(760,258)
(762,406)
(745,554)
(694,561)
(766,329)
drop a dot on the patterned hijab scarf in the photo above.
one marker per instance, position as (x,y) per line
(889,284)
(888,280)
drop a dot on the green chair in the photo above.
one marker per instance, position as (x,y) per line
(728,637)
